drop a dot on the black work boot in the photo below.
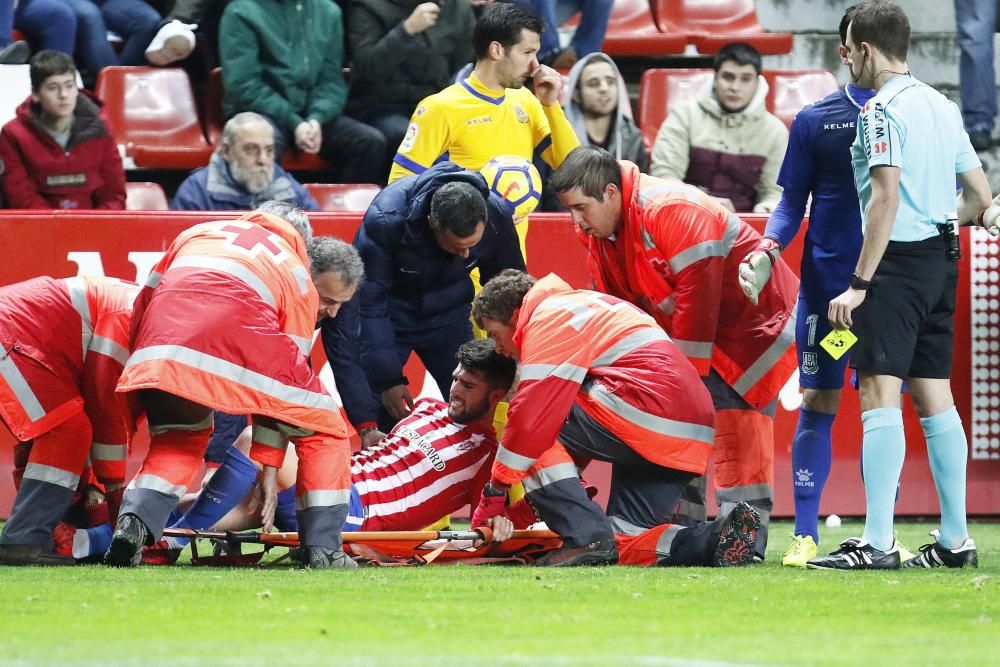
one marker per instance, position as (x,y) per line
(32,554)
(602,552)
(131,535)
(321,558)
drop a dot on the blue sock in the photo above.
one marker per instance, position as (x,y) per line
(224,491)
(812,452)
(882,451)
(92,541)
(947,451)
(284,517)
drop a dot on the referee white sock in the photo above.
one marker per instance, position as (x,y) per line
(947,451)
(882,452)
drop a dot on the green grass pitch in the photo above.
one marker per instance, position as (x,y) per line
(498,616)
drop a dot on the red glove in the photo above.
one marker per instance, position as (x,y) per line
(489,507)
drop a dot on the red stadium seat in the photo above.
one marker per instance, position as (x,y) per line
(660,90)
(214,122)
(790,90)
(351,198)
(145,197)
(212,113)
(711,24)
(152,112)
(633,32)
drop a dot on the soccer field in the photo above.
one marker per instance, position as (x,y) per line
(458,616)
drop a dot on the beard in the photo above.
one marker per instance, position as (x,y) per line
(254,179)
(470,413)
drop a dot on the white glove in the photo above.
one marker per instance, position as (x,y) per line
(755,269)
(990,219)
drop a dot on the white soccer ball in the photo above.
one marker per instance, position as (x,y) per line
(516,181)
(833,521)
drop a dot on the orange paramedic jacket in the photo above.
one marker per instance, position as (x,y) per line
(62,347)
(678,259)
(226,320)
(612,360)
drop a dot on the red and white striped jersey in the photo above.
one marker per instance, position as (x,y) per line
(427,467)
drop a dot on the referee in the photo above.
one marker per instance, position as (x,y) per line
(909,148)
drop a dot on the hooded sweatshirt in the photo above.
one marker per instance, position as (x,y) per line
(624,140)
(734,155)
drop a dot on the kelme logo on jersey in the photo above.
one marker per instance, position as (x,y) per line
(423,443)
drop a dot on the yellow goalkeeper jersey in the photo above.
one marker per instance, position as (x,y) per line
(468,124)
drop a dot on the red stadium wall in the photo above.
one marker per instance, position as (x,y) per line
(126,245)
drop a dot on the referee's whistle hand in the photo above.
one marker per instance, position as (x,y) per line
(841,308)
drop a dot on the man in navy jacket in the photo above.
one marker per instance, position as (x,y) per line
(419,240)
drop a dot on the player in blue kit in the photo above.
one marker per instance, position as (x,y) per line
(817,162)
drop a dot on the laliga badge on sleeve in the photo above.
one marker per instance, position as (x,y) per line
(838,342)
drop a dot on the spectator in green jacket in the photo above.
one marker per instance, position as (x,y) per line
(284,60)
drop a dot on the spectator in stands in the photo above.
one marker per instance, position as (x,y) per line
(403,51)
(49,24)
(135,21)
(242,174)
(11,52)
(57,152)
(975,26)
(725,142)
(600,112)
(419,240)
(285,61)
(587,38)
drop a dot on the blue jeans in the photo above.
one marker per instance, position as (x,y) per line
(134,20)
(975,25)
(589,34)
(49,24)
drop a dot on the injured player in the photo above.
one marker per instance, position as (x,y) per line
(433,463)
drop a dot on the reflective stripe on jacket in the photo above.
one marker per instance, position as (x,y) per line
(678,259)
(618,365)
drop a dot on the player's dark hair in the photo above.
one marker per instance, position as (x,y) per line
(589,168)
(49,63)
(845,21)
(883,25)
(457,208)
(740,53)
(481,356)
(501,296)
(502,22)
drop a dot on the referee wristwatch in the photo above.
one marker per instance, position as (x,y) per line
(859,283)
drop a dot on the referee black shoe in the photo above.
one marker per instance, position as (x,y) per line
(855,554)
(935,555)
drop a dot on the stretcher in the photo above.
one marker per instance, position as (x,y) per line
(385,548)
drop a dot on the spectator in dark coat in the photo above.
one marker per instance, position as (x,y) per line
(419,240)
(57,152)
(404,51)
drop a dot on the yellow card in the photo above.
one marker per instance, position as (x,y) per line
(838,342)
